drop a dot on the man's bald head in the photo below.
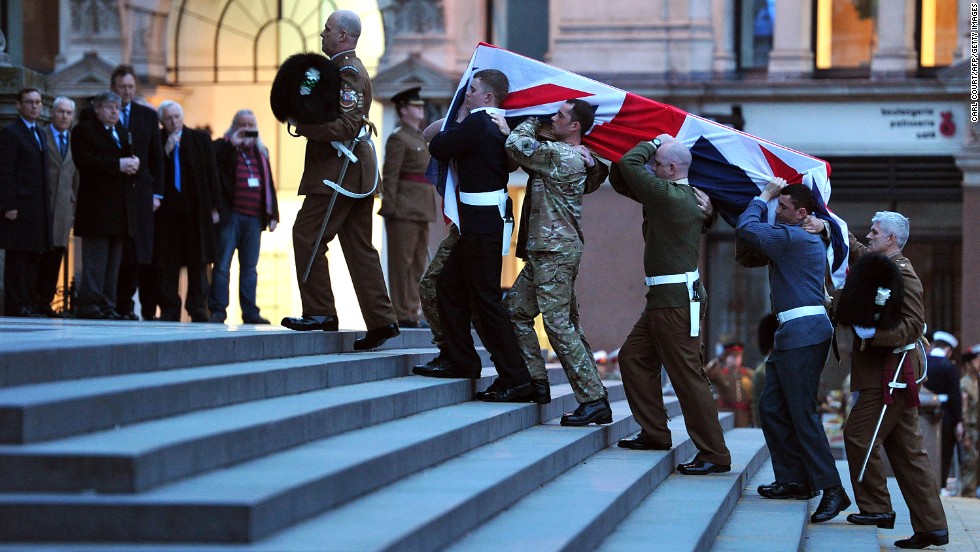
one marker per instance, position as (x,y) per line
(672,161)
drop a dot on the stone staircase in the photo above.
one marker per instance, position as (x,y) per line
(143,436)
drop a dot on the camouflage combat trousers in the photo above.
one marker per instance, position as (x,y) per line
(969,468)
(427,285)
(546,285)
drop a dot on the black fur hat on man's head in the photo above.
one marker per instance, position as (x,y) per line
(306,89)
(872,294)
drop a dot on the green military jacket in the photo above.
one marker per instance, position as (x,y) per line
(558,175)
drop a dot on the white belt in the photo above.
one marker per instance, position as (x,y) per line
(496,199)
(483,199)
(799,312)
(685,278)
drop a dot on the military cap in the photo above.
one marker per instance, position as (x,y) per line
(408,97)
(945,337)
(971,353)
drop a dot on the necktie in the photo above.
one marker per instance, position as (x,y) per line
(37,136)
(115,136)
(177,165)
(125,116)
(64,144)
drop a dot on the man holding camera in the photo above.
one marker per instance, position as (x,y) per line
(248,206)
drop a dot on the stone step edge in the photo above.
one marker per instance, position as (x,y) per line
(93,517)
(627,477)
(57,467)
(30,415)
(164,352)
(655,514)
(414,514)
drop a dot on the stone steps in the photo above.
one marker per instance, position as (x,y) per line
(276,440)
(243,502)
(56,409)
(686,513)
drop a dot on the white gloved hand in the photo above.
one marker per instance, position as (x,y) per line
(864,332)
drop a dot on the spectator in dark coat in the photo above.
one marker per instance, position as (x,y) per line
(24,232)
(105,215)
(184,226)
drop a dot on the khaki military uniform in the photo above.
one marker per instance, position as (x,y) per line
(970,468)
(554,244)
(408,207)
(734,388)
(899,433)
(350,220)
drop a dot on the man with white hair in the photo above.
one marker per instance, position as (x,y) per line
(62,182)
(184,224)
(876,351)
(944,382)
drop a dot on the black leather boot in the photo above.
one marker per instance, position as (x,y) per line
(833,502)
(597,411)
(540,391)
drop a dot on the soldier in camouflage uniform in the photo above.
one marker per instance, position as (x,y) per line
(553,252)
(970,468)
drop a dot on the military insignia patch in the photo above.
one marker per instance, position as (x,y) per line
(349,99)
(349,67)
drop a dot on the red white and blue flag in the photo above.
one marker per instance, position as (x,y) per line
(732,167)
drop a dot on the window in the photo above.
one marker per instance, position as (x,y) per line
(937,36)
(846,34)
(755,33)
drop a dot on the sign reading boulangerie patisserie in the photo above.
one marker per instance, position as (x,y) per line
(920,123)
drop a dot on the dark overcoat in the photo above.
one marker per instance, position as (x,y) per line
(200,193)
(22,188)
(106,197)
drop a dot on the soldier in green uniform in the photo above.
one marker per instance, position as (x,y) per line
(553,251)
(408,206)
(970,468)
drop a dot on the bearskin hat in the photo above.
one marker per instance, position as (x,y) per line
(872,294)
(306,89)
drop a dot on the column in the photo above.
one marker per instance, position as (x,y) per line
(723,58)
(792,52)
(969,162)
(896,54)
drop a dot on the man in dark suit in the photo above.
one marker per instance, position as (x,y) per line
(141,121)
(471,274)
(184,226)
(106,207)
(24,231)
(62,184)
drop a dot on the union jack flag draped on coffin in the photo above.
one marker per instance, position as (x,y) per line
(730,166)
